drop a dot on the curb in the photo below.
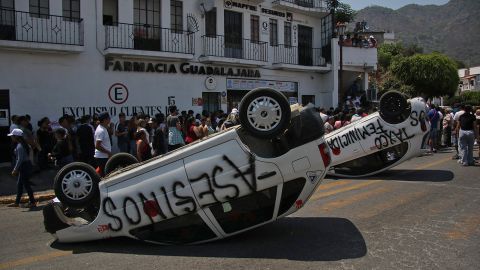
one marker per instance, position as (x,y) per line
(39,196)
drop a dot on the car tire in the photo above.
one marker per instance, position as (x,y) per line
(393,105)
(119,161)
(265,113)
(76,185)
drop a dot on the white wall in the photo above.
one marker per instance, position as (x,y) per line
(43,84)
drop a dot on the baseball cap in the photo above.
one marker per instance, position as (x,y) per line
(234,111)
(16,132)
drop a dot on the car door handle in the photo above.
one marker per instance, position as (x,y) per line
(266,175)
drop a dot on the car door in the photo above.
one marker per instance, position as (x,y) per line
(158,205)
(235,189)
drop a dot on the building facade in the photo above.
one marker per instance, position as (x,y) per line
(138,56)
(469,79)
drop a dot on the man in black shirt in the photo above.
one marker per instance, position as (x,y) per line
(158,142)
(467,126)
(86,141)
(122,134)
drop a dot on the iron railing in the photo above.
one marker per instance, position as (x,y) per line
(230,47)
(304,56)
(30,27)
(306,3)
(148,37)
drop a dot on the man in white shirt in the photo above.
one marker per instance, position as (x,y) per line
(103,146)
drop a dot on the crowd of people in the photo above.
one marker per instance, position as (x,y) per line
(89,139)
(360,41)
(458,127)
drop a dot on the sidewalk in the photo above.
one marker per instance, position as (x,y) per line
(43,189)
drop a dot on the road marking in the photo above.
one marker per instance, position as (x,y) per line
(355,198)
(463,229)
(431,164)
(333,184)
(320,195)
(34,259)
(394,202)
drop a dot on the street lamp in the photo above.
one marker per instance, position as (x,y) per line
(341,27)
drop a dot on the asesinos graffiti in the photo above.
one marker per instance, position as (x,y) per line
(169,199)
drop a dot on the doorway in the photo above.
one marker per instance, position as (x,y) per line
(305,45)
(233,34)
(211,101)
(5,126)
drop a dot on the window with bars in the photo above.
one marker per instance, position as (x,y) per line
(211,23)
(71,10)
(273,32)
(255,28)
(39,9)
(287,36)
(176,15)
(146,13)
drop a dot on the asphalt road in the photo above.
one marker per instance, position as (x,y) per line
(423,214)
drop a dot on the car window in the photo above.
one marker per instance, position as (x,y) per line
(291,191)
(373,162)
(245,212)
(179,230)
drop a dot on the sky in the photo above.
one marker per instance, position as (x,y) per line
(394,4)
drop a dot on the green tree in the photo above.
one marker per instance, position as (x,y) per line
(343,12)
(386,52)
(430,75)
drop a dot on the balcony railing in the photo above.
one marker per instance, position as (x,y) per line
(229,47)
(306,3)
(29,27)
(291,55)
(149,38)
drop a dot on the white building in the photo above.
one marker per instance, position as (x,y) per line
(469,79)
(83,57)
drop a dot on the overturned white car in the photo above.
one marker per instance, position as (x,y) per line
(382,140)
(231,182)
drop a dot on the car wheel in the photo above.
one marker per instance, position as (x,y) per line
(392,106)
(76,185)
(119,161)
(265,113)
